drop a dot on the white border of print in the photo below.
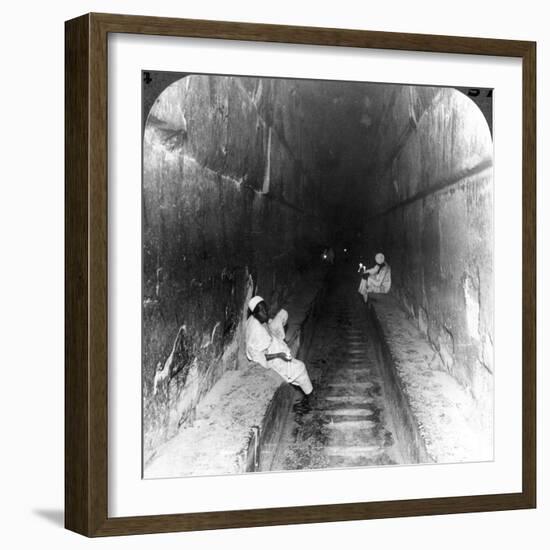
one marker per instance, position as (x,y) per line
(129,494)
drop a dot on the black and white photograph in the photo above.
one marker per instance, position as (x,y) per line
(317,274)
(283,270)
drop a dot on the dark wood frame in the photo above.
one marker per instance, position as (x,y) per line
(86,274)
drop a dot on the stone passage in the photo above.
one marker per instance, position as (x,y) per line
(246,181)
(350,424)
(237,425)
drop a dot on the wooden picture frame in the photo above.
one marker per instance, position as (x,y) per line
(86,282)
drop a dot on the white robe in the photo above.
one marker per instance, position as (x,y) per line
(262,339)
(379,281)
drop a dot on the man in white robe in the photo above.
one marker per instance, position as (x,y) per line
(266,346)
(376,279)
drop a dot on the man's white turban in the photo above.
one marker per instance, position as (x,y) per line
(254,302)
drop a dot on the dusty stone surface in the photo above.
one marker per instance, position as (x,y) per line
(216,439)
(446,413)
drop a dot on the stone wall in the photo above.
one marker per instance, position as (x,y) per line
(246,179)
(431,192)
(231,207)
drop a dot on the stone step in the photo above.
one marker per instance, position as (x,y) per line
(344,404)
(343,377)
(366,451)
(344,374)
(351,420)
(364,409)
(357,385)
(353,438)
(359,425)
(353,363)
(362,365)
(346,461)
(344,391)
(359,366)
(356,400)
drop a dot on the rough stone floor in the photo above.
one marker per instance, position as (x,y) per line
(348,425)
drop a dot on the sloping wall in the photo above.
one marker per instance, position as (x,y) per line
(432,194)
(231,206)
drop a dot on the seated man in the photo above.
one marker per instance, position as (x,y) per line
(376,279)
(265,345)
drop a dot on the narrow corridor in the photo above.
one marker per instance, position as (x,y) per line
(350,423)
(248,183)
